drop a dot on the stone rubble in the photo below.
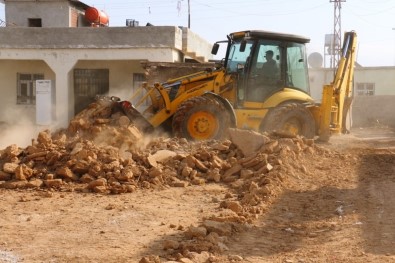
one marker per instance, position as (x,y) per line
(100,152)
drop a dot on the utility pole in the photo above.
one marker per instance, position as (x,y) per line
(189,14)
(337,38)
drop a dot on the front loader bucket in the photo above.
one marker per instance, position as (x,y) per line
(135,116)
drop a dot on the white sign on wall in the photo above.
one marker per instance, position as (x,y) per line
(44,102)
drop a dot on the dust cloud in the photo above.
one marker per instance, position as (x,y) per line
(18,127)
(20,134)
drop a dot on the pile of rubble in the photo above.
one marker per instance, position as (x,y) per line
(101,152)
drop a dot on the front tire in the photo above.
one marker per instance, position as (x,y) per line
(201,118)
(290,119)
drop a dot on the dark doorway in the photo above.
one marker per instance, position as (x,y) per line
(87,84)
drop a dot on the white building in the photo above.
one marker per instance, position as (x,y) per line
(52,40)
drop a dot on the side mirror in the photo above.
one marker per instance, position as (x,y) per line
(215,48)
(243,45)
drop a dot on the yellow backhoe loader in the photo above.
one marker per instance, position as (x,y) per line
(262,84)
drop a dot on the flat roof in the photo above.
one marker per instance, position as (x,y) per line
(270,35)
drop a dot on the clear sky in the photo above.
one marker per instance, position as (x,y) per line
(373,20)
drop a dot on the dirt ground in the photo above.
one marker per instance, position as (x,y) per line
(336,205)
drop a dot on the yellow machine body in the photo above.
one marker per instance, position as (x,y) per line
(231,92)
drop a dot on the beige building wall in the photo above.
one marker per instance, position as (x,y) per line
(382,77)
(377,108)
(11,112)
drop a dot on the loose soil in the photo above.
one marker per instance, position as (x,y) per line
(321,202)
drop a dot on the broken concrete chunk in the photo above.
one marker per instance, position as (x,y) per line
(235,206)
(134,133)
(36,155)
(77,148)
(190,160)
(196,232)
(186,171)
(199,165)
(170,244)
(221,228)
(66,173)
(54,183)
(293,146)
(80,167)
(160,156)
(186,260)
(11,151)
(247,141)
(22,172)
(265,169)
(220,147)
(246,173)
(98,182)
(214,175)
(217,162)
(155,172)
(86,178)
(233,170)
(44,137)
(35,183)
(10,167)
(269,147)
(202,257)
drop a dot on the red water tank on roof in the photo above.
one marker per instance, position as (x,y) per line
(95,16)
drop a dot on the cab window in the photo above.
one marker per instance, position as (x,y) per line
(238,59)
(297,75)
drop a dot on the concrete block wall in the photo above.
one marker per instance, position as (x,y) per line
(196,46)
(369,111)
(53,14)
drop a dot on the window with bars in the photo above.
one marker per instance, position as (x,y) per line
(26,88)
(87,84)
(365,89)
(91,82)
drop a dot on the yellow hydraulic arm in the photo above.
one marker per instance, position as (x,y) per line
(337,96)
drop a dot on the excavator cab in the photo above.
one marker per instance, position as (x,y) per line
(265,63)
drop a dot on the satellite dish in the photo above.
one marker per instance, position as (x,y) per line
(315,60)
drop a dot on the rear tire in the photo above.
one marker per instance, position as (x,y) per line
(201,118)
(291,120)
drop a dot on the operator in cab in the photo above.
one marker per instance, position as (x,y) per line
(269,69)
(267,77)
